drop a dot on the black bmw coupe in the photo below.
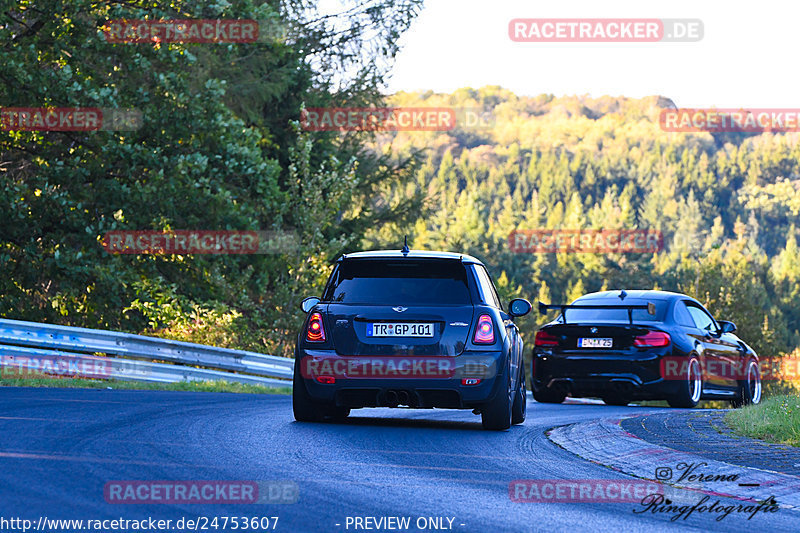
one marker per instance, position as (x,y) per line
(642,345)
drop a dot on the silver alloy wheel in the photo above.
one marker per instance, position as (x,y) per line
(754,382)
(696,380)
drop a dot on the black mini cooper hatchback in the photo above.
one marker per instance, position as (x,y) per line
(413,329)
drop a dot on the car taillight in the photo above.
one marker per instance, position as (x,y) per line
(652,339)
(543,338)
(316,331)
(484,333)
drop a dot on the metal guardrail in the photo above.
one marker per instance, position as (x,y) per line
(68,351)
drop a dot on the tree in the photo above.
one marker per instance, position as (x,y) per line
(219,147)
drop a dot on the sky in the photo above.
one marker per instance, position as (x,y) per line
(748,56)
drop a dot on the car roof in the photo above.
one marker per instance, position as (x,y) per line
(638,294)
(412,254)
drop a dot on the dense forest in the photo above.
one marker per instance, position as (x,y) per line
(727,204)
(221,148)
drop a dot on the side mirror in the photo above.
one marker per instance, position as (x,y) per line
(519,307)
(726,326)
(309,303)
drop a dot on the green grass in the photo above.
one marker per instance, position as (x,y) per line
(195,386)
(775,419)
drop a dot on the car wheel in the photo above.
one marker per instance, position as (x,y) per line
(616,400)
(690,388)
(496,414)
(749,391)
(520,399)
(548,396)
(338,414)
(304,407)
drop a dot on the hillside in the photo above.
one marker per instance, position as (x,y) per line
(726,204)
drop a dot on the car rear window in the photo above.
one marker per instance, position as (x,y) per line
(399,281)
(616,315)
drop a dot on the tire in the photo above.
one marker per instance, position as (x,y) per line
(548,396)
(520,399)
(304,407)
(339,414)
(496,415)
(616,400)
(690,388)
(749,391)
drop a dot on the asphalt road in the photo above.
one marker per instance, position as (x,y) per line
(60,447)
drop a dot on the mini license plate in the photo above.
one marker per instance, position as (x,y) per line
(595,343)
(399,329)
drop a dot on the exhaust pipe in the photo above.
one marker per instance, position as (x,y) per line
(403,398)
(622,387)
(391,398)
(561,387)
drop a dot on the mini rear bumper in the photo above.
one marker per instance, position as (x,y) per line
(364,381)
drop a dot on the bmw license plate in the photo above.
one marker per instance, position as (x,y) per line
(399,329)
(595,343)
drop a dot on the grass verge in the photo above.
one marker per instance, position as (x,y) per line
(195,386)
(775,419)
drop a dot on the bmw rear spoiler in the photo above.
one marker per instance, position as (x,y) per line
(544,308)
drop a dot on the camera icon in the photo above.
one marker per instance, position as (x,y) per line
(663,473)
